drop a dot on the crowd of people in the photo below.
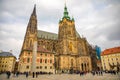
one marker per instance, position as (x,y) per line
(33,74)
(98,73)
(81,73)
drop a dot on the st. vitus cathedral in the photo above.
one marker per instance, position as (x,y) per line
(64,52)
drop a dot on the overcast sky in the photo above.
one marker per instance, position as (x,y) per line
(97,20)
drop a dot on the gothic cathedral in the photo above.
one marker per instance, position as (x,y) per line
(64,52)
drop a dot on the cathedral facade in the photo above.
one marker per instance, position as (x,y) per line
(64,52)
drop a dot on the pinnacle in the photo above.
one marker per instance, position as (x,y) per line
(34,10)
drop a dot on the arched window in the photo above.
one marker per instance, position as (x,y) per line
(82,66)
(30,43)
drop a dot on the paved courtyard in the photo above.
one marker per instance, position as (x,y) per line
(88,76)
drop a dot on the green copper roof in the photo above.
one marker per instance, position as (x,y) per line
(46,35)
(66,13)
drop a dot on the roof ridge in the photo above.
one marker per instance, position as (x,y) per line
(47,32)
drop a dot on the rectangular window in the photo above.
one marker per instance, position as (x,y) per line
(40,60)
(28,60)
(50,67)
(40,67)
(37,67)
(45,67)
(27,67)
(45,60)
(50,61)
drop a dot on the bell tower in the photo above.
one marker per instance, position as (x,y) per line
(67,34)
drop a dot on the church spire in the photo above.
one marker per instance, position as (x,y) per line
(66,13)
(34,11)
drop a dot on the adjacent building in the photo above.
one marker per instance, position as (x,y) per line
(61,53)
(44,61)
(7,61)
(111,59)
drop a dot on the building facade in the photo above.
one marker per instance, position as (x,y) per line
(7,61)
(70,51)
(44,61)
(111,59)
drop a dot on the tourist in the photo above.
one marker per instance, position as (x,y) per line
(17,73)
(33,74)
(8,74)
(26,74)
(36,74)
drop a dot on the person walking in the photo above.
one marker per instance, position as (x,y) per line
(8,74)
(33,74)
(26,74)
(17,73)
(36,74)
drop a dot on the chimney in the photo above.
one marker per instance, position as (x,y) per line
(10,51)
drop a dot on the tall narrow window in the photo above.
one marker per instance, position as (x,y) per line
(40,67)
(45,60)
(51,61)
(28,60)
(30,43)
(40,60)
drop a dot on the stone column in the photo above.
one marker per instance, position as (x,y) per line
(34,56)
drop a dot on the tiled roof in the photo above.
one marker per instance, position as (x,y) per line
(40,48)
(49,35)
(4,54)
(111,51)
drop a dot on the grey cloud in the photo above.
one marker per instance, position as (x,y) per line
(97,20)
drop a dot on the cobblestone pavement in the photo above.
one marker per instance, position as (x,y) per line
(88,76)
